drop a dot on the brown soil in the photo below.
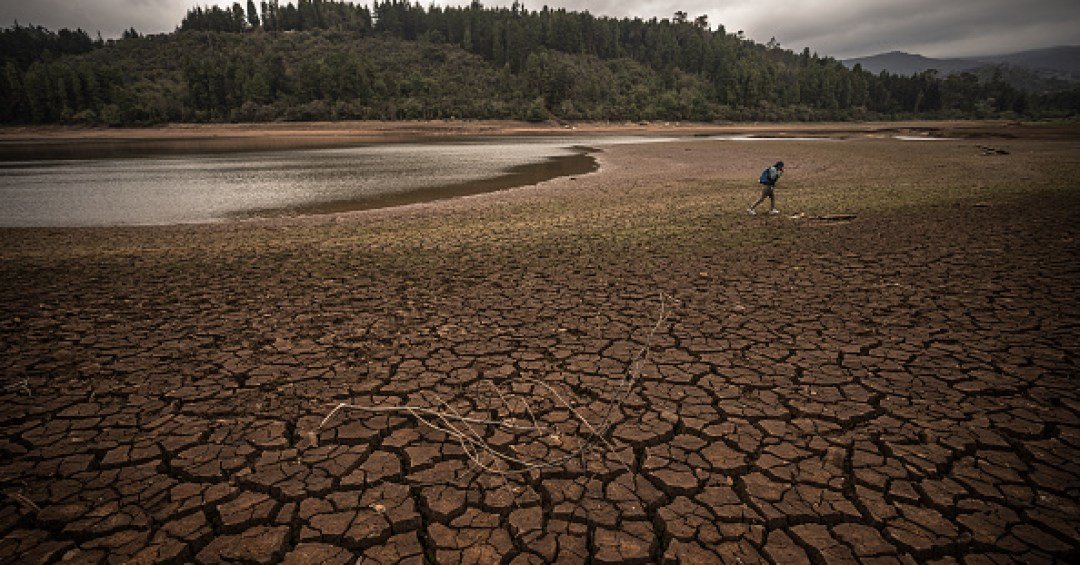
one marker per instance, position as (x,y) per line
(899,385)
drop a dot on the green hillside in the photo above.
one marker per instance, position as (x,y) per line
(319,60)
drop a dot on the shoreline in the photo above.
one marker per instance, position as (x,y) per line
(583,161)
(538,189)
(367,131)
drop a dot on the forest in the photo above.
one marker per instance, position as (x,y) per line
(397,60)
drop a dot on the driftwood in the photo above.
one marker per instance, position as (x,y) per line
(834,218)
(824,218)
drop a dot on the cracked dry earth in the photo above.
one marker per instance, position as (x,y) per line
(896,388)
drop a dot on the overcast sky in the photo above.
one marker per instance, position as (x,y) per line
(840,28)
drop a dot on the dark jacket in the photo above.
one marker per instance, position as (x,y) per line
(773,176)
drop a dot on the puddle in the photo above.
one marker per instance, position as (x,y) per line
(924,138)
(773,138)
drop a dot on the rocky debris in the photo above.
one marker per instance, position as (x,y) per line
(990,151)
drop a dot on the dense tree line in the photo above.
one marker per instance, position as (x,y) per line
(304,15)
(321,59)
(22,45)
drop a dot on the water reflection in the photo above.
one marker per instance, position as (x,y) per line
(49,190)
(773,138)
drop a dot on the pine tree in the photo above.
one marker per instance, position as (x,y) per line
(252,14)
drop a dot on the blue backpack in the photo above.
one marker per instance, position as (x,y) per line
(765,178)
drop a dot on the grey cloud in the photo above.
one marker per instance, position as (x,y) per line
(845,28)
(934,28)
(110,17)
(841,28)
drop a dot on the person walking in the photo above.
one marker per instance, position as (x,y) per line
(768,187)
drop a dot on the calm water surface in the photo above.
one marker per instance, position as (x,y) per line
(47,188)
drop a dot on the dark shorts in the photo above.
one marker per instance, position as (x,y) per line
(767,190)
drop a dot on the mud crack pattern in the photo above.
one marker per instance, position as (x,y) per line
(901,388)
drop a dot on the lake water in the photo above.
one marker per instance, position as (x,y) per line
(772,138)
(83,184)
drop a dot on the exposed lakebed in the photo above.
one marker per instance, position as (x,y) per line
(117,182)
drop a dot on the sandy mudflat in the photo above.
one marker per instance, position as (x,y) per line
(392,130)
(885,370)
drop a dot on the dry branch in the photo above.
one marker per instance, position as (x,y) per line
(445,418)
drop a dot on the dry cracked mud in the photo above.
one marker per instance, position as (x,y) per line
(899,387)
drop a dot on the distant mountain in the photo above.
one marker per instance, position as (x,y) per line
(1040,70)
(1064,60)
(901,63)
(1061,59)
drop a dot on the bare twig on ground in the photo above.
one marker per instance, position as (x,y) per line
(24,501)
(443,417)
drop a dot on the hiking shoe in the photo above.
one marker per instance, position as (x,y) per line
(774,211)
(752,212)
